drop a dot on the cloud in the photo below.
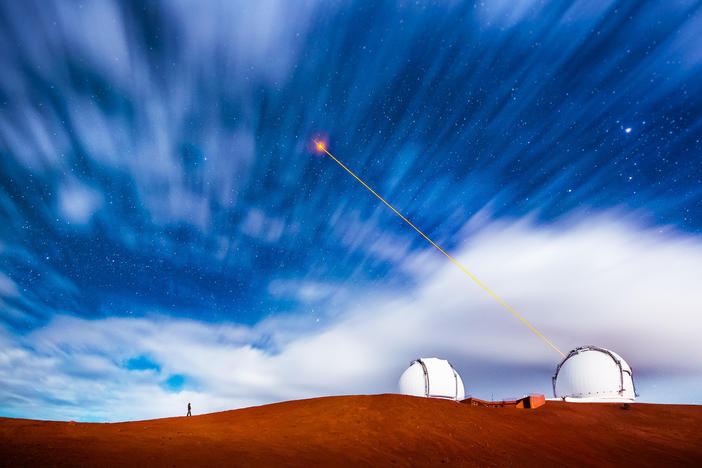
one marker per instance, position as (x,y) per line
(78,203)
(506,14)
(131,117)
(8,288)
(604,280)
(258,225)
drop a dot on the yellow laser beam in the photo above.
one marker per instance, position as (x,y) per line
(321,147)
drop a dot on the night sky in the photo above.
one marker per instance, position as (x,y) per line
(169,234)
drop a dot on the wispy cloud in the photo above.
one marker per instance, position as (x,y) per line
(78,203)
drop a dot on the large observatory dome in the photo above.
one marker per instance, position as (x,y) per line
(432,378)
(591,373)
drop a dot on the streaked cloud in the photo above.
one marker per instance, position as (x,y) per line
(78,203)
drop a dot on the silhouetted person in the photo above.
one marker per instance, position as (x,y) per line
(189,414)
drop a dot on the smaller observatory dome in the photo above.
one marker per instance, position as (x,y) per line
(595,374)
(432,378)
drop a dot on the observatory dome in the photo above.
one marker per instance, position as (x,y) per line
(432,378)
(591,373)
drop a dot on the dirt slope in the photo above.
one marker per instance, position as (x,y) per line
(378,430)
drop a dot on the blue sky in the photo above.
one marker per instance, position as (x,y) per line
(168,235)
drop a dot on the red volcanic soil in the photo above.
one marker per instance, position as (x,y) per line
(378,430)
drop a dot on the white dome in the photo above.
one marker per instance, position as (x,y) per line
(432,378)
(591,373)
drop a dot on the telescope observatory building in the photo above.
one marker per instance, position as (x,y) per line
(432,378)
(594,374)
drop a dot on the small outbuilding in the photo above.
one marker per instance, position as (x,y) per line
(432,378)
(594,374)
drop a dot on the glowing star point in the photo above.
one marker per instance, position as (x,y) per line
(320,146)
